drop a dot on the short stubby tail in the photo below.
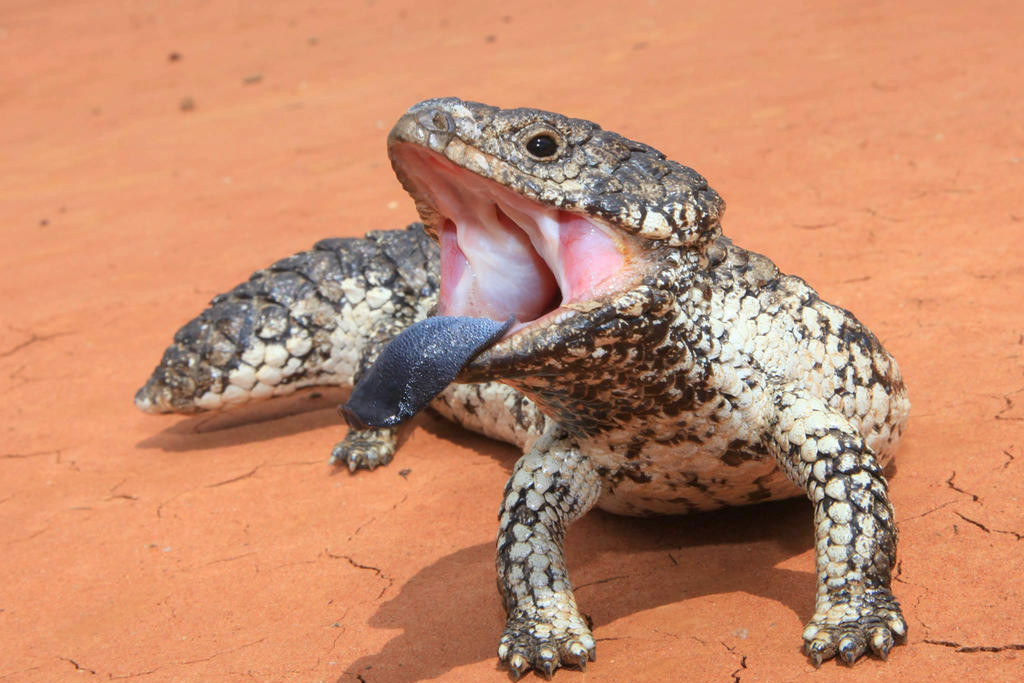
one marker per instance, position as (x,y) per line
(316,318)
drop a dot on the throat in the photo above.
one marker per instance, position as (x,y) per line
(494,276)
(508,258)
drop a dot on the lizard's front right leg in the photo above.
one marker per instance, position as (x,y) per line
(551,486)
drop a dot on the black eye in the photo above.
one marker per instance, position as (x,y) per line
(542,146)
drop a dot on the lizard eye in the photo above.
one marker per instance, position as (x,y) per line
(542,146)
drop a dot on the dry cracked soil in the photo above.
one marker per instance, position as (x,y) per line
(155,153)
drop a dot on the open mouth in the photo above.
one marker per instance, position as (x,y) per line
(513,271)
(504,256)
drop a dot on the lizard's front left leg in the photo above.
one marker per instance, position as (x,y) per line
(854,529)
(552,486)
(366,449)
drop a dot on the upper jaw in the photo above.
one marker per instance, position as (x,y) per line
(504,255)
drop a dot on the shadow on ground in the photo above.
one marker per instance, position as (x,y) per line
(250,422)
(442,609)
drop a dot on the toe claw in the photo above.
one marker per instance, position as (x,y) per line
(882,642)
(819,651)
(898,627)
(517,666)
(851,647)
(579,653)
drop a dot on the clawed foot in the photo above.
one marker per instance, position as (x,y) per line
(365,449)
(545,647)
(852,625)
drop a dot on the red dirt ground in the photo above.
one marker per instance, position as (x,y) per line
(874,150)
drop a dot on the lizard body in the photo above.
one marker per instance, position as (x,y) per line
(653,367)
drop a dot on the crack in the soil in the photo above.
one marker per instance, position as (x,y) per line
(1009,457)
(975,648)
(743,662)
(134,674)
(594,583)
(743,665)
(19,672)
(160,507)
(373,519)
(897,574)
(230,559)
(78,667)
(927,512)
(679,637)
(223,652)
(240,477)
(232,480)
(1001,415)
(123,496)
(986,529)
(33,339)
(32,454)
(32,535)
(376,570)
(950,484)
(917,607)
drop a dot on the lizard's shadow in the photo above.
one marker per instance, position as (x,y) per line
(450,613)
(685,557)
(252,422)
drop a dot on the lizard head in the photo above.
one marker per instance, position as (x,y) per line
(549,220)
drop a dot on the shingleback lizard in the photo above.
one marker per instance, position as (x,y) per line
(651,366)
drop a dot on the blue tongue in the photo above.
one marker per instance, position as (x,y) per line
(416,366)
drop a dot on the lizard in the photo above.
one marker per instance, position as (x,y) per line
(646,365)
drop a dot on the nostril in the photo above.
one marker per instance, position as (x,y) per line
(437,121)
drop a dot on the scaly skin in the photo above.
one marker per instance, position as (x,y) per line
(704,378)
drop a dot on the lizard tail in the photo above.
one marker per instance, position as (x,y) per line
(316,318)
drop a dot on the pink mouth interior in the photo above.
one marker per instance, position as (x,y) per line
(503,255)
